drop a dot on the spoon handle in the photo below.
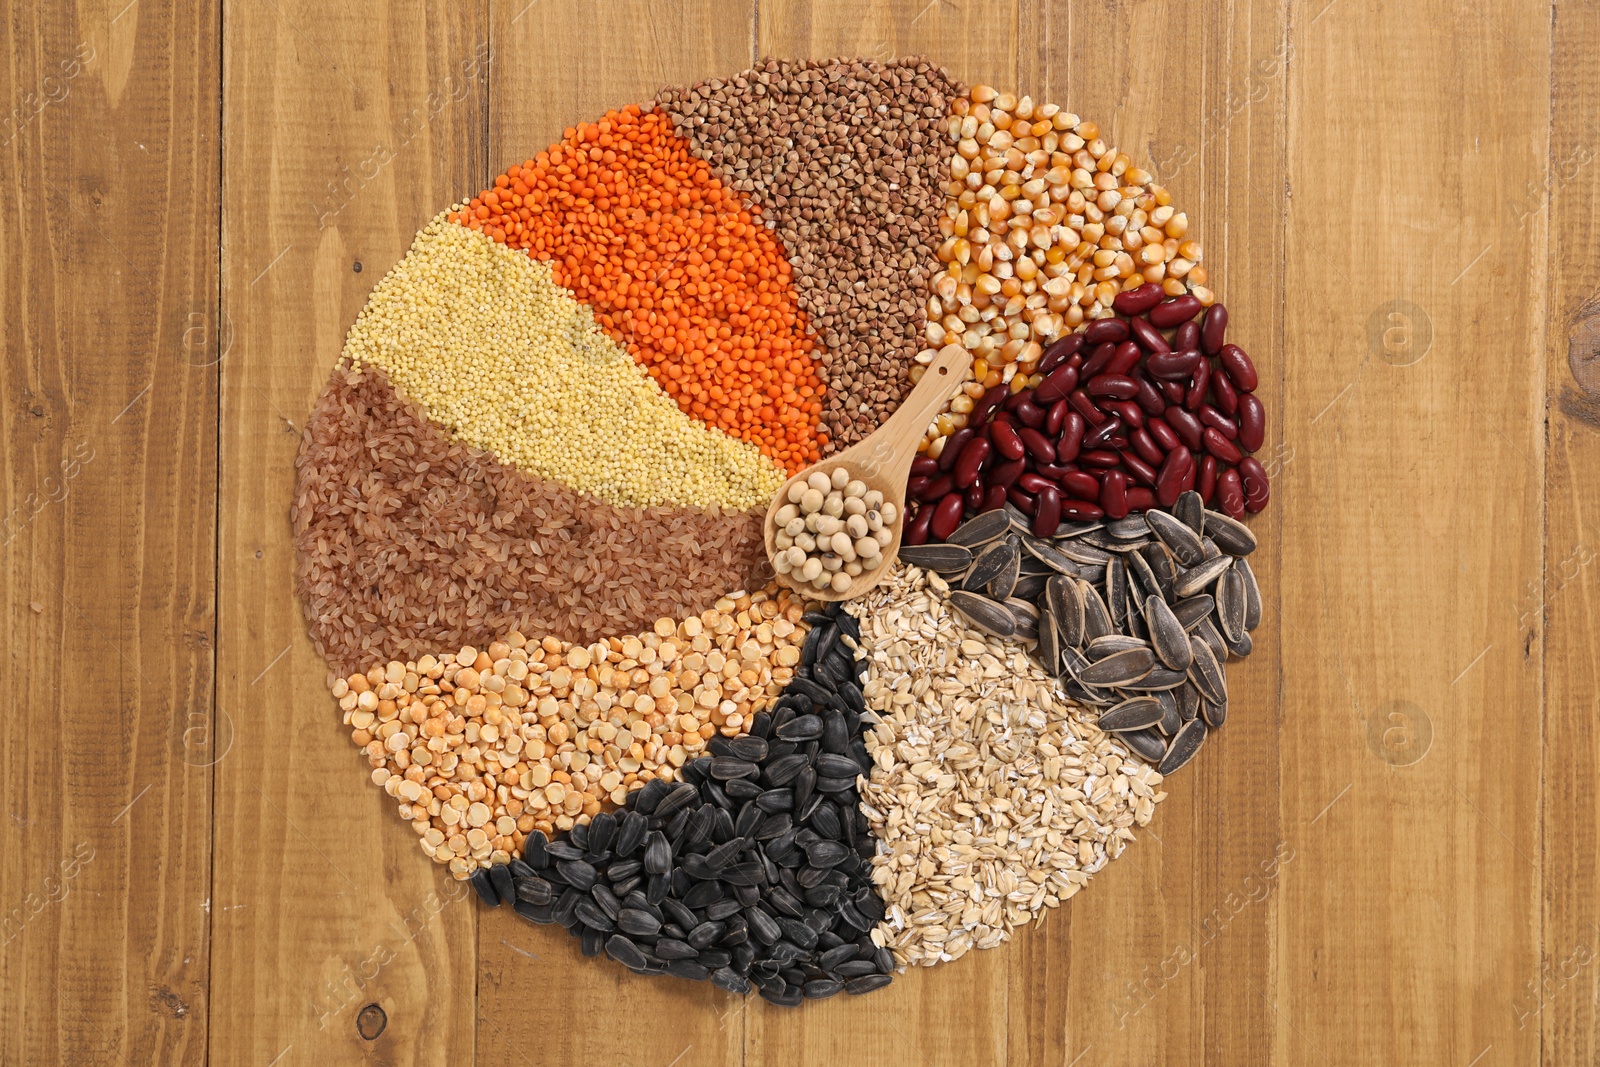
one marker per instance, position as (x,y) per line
(885,457)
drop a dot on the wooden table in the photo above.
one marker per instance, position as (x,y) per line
(1387,857)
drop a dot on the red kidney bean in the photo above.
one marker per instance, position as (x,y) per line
(1102,330)
(1211,334)
(1037,444)
(994,498)
(1099,458)
(1118,385)
(1126,358)
(953,446)
(1138,300)
(1163,433)
(1057,384)
(1140,499)
(1178,309)
(1219,422)
(1126,410)
(1014,401)
(1238,368)
(1172,366)
(1048,517)
(1208,477)
(947,514)
(1059,353)
(1055,418)
(1189,475)
(1148,337)
(1150,399)
(1141,470)
(1230,494)
(1028,413)
(1221,447)
(1081,484)
(973,496)
(936,489)
(988,404)
(917,485)
(1169,479)
(1098,360)
(1147,448)
(1071,440)
(1079,511)
(1188,428)
(1173,391)
(1114,495)
(1187,336)
(1054,471)
(1118,443)
(1084,406)
(924,467)
(1006,441)
(918,529)
(971,463)
(1252,423)
(1023,502)
(1034,483)
(1257,487)
(1226,395)
(1195,395)
(1005,475)
(1102,434)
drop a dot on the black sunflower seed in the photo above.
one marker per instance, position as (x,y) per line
(1134,714)
(1183,746)
(1231,535)
(1147,744)
(1167,635)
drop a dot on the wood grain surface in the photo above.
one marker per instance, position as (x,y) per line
(1388,856)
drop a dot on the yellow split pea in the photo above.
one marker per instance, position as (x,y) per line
(483,747)
(507,360)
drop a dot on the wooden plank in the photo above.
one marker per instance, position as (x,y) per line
(347,128)
(1412,523)
(562,62)
(1560,998)
(955,1013)
(108,278)
(1166,956)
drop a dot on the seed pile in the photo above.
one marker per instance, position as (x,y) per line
(832,530)
(995,798)
(408,541)
(1138,614)
(675,267)
(752,871)
(1043,225)
(1126,415)
(845,157)
(508,361)
(484,747)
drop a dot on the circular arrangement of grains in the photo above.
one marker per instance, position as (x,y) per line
(530,505)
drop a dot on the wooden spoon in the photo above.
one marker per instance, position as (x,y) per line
(883,462)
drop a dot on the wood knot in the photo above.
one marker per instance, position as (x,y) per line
(371,1021)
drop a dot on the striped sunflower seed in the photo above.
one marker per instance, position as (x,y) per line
(943,559)
(1177,536)
(1049,650)
(1132,528)
(1231,535)
(1171,721)
(1198,578)
(996,559)
(1145,581)
(1214,714)
(1064,600)
(1119,668)
(1206,672)
(1230,606)
(1188,701)
(1110,644)
(1207,631)
(1183,747)
(1026,617)
(1078,552)
(1252,593)
(1191,511)
(1031,586)
(1116,587)
(985,614)
(1158,678)
(1047,554)
(1192,611)
(1146,744)
(1133,714)
(981,529)
(1167,635)
(1096,619)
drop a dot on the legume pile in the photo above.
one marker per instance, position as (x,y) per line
(530,505)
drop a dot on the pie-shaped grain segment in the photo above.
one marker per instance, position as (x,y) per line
(508,361)
(677,268)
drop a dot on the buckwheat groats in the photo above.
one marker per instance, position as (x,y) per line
(846,157)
